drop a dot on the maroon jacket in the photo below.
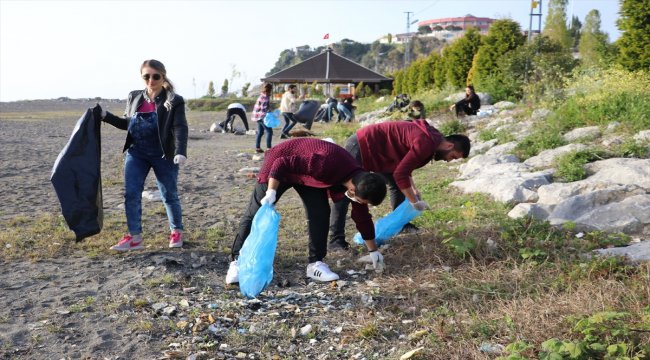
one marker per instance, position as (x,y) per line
(319,164)
(398,147)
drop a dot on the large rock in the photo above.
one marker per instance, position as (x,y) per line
(502,150)
(621,171)
(484,163)
(510,188)
(642,136)
(547,158)
(555,193)
(504,105)
(534,210)
(631,215)
(584,133)
(539,114)
(481,147)
(636,253)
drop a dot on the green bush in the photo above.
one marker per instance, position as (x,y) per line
(452,127)
(598,97)
(571,166)
(541,139)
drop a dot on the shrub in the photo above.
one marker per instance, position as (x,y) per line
(597,97)
(452,127)
(542,139)
(570,167)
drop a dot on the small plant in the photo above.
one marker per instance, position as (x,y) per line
(538,141)
(631,148)
(369,331)
(571,166)
(452,127)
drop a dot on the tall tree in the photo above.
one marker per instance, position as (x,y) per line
(574,31)
(555,24)
(224,88)
(244,89)
(459,57)
(593,42)
(211,91)
(504,36)
(634,43)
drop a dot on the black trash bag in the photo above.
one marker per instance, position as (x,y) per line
(76,177)
(306,112)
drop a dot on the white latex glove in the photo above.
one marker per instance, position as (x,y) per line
(269,198)
(377,261)
(179,159)
(420,205)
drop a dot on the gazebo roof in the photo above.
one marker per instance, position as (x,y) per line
(326,67)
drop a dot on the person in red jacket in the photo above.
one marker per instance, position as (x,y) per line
(314,168)
(395,149)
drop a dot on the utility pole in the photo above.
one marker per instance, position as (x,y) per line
(535,5)
(407,51)
(535,10)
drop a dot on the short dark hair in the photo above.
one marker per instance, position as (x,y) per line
(292,86)
(417,103)
(461,143)
(370,186)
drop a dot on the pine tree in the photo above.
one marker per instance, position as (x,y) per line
(555,24)
(504,36)
(211,91)
(224,88)
(634,43)
(244,89)
(593,42)
(459,56)
(574,31)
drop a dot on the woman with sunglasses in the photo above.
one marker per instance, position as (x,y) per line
(156,139)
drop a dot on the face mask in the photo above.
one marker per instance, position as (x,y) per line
(351,197)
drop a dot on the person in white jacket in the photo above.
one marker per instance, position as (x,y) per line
(288,106)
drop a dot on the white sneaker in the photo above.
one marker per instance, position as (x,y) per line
(232,276)
(321,272)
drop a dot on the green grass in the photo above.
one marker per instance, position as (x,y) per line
(571,167)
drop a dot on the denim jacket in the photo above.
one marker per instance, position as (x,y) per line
(172,124)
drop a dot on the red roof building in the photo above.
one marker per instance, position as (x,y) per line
(464,22)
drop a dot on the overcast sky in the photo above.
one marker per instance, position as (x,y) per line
(79,49)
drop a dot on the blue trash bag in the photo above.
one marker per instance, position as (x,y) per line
(391,224)
(272,119)
(256,256)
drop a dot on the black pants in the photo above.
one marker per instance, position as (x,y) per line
(316,207)
(340,208)
(463,107)
(230,119)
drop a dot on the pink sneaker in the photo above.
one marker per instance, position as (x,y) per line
(129,242)
(176,239)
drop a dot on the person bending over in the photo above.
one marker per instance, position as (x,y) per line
(315,169)
(234,109)
(395,149)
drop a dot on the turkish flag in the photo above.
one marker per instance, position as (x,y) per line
(327,36)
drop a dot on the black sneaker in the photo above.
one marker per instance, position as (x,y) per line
(410,229)
(338,245)
(284,136)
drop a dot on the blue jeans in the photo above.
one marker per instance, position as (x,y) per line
(136,169)
(289,122)
(347,115)
(261,128)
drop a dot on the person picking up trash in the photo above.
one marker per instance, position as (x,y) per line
(314,168)
(395,149)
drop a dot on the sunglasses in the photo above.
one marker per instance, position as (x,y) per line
(156,77)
